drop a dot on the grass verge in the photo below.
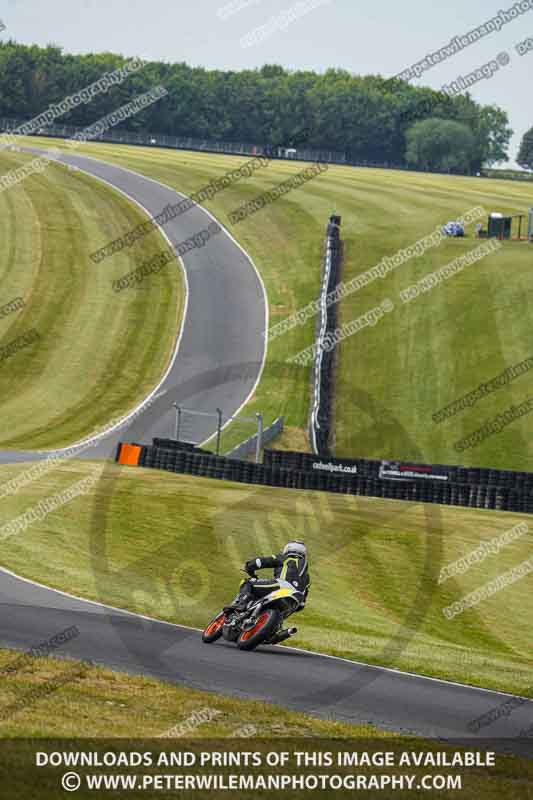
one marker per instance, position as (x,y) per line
(98,353)
(72,707)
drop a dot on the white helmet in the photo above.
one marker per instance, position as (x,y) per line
(295,547)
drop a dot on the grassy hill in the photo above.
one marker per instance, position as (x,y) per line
(72,380)
(171,546)
(422,356)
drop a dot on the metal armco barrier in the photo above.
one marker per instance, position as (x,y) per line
(191,462)
(256,442)
(322,380)
(119,135)
(173,444)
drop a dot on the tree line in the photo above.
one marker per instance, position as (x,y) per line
(369,118)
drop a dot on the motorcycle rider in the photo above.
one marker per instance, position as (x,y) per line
(289,565)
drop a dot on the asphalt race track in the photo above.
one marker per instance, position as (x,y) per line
(324,686)
(221,349)
(229,331)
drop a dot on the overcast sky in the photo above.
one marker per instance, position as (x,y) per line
(379,37)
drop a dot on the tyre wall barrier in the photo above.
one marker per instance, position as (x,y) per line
(188,462)
(322,377)
(287,459)
(521,482)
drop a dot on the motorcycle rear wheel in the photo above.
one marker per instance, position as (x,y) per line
(268,622)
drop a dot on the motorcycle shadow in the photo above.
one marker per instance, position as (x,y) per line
(269,649)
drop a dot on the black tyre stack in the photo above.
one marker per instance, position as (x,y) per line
(475,488)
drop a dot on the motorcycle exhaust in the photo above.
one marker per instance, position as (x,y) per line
(282,635)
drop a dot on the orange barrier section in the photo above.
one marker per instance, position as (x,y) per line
(129,454)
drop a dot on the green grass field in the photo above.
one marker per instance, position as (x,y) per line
(430,352)
(113,704)
(420,357)
(172,546)
(99,353)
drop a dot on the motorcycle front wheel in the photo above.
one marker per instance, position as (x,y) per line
(263,629)
(213,630)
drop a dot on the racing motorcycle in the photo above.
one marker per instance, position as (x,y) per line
(261,622)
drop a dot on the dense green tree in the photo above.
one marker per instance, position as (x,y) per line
(440,144)
(492,133)
(368,117)
(525,155)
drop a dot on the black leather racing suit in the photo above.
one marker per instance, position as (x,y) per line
(290,567)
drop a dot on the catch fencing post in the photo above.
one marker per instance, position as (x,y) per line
(219,428)
(178,420)
(259,438)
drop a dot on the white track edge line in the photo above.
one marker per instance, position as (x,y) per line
(294,649)
(241,248)
(103,434)
(146,400)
